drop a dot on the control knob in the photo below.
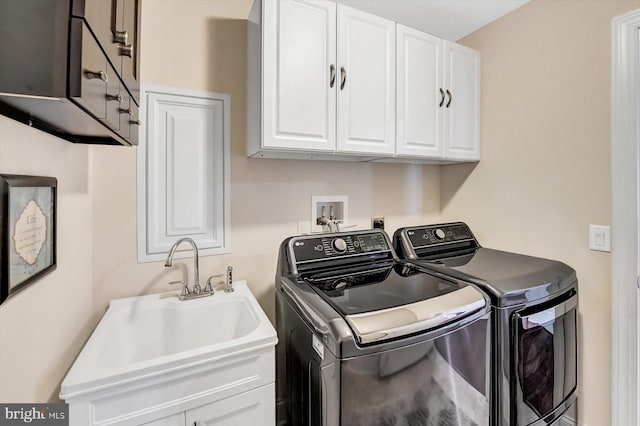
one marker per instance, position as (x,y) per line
(439,234)
(339,245)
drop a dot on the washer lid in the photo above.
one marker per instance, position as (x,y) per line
(382,303)
(370,327)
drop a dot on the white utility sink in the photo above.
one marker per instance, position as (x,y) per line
(163,346)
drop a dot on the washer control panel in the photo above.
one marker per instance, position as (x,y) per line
(438,234)
(321,247)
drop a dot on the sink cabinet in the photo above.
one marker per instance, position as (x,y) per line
(239,410)
(242,386)
(155,360)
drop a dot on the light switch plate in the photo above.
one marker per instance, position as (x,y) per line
(600,238)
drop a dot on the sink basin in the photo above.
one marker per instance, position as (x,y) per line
(156,328)
(148,336)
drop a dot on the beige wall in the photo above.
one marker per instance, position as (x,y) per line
(544,176)
(545,173)
(268,197)
(43,327)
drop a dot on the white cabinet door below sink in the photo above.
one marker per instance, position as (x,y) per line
(175,420)
(239,410)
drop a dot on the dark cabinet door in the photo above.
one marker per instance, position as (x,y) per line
(101,18)
(116,25)
(129,10)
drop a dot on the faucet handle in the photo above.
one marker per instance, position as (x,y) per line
(229,285)
(185,287)
(208,288)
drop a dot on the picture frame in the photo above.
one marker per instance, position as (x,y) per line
(28,227)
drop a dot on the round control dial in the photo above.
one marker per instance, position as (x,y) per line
(339,245)
(439,234)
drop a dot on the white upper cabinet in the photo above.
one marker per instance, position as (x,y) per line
(438,114)
(462,118)
(420,94)
(299,61)
(327,81)
(367,82)
(314,89)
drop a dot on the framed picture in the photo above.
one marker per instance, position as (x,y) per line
(27,231)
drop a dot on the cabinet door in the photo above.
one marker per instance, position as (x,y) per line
(420,95)
(129,21)
(101,16)
(250,408)
(462,115)
(174,420)
(367,82)
(299,51)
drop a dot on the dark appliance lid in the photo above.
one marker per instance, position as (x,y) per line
(379,297)
(510,278)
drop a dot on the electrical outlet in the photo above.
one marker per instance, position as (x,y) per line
(303,227)
(334,207)
(377,222)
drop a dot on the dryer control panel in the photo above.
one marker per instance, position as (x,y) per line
(438,234)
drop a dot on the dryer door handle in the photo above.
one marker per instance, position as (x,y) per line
(536,319)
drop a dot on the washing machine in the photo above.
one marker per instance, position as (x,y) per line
(365,339)
(535,312)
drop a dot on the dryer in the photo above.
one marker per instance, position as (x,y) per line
(364,339)
(535,311)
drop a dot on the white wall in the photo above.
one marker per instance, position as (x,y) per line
(43,327)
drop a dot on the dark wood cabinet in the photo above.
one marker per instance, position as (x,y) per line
(71,67)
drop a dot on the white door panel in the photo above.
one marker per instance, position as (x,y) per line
(255,407)
(462,115)
(299,48)
(419,94)
(366,65)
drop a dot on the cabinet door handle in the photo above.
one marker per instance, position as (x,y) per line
(125,111)
(120,37)
(343,74)
(99,75)
(332,75)
(450,98)
(441,100)
(126,50)
(118,98)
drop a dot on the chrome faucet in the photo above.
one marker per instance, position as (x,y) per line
(197,290)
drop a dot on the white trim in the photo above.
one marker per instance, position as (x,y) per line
(142,162)
(625,134)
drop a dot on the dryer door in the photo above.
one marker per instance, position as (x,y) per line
(544,361)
